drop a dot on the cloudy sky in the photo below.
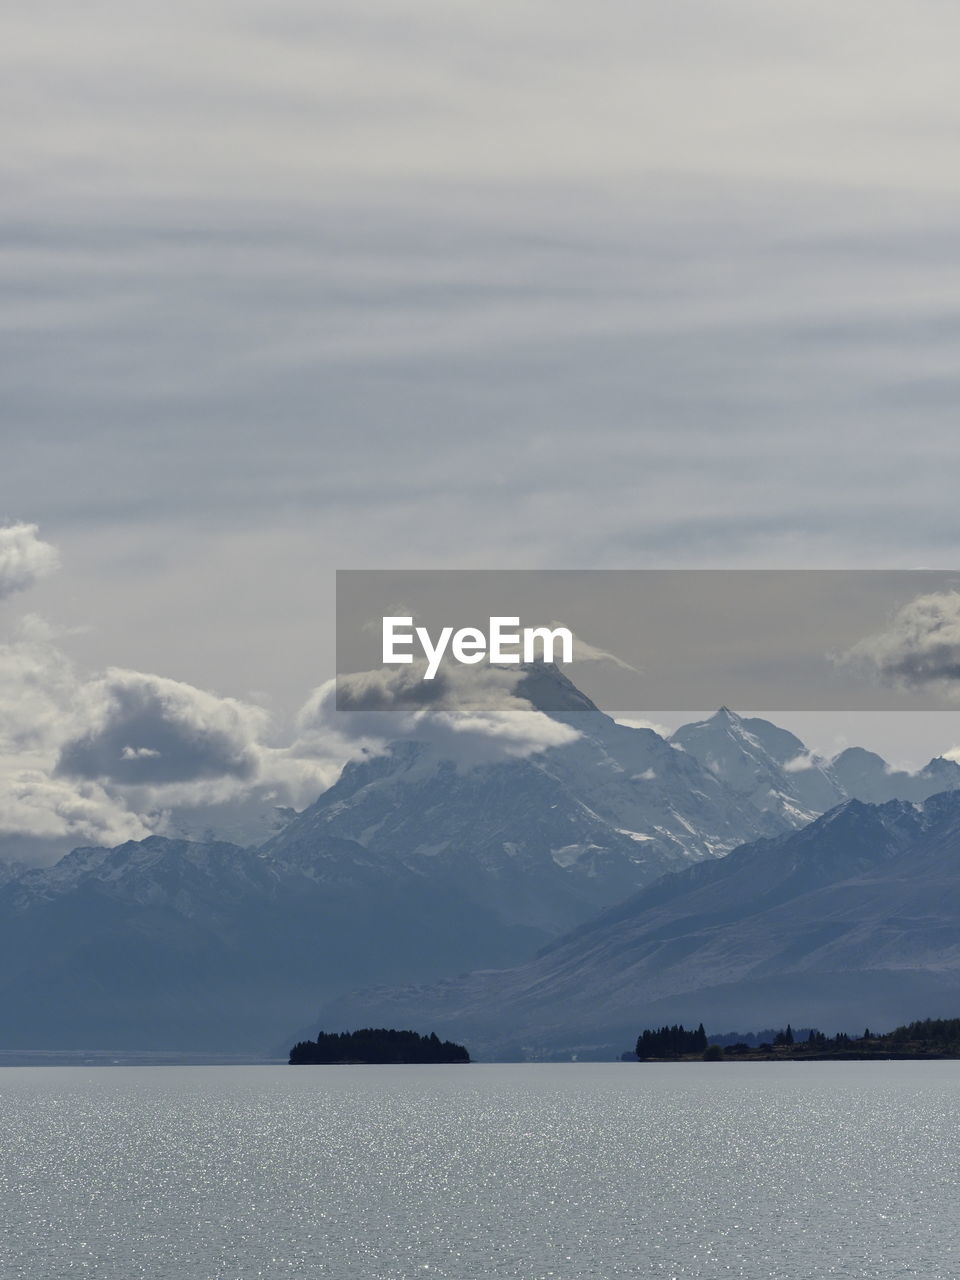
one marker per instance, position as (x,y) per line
(287,286)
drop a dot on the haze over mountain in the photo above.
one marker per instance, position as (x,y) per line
(165,943)
(854,918)
(410,868)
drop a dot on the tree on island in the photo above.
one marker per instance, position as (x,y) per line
(671,1042)
(376,1045)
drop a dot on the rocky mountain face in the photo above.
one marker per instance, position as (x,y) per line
(853,919)
(409,868)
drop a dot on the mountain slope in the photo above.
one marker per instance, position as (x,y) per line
(545,841)
(855,917)
(170,944)
(763,762)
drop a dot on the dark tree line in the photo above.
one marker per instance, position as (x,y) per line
(379,1045)
(671,1042)
(939,1031)
(937,1037)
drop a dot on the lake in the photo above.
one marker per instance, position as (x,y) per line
(533,1172)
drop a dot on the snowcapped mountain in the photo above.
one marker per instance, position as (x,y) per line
(408,869)
(767,764)
(867,776)
(854,918)
(780,776)
(544,841)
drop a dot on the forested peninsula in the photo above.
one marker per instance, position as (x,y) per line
(928,1038)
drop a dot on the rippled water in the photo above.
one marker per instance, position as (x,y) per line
(388,1173)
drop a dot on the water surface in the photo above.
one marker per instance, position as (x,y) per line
(533,1172)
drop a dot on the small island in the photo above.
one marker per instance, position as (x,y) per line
(375,1045)
(927,1039)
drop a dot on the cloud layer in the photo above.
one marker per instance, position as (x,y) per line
(286,287)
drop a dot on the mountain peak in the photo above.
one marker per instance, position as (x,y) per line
(850,755)
(723,715)
(942,765)
(546,687)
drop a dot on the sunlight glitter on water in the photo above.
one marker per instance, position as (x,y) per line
(553,1172)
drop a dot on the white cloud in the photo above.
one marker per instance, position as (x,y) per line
(635,722)
(24,558)
(801,763)
(37,682)
(584,652)
(53,809)
(470,715)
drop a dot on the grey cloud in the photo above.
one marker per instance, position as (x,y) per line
(921,646)
(146,730)
(377,691)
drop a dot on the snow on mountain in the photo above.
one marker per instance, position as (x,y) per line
(409,868)
(779,775)
(868,776)
(541,841)
(767,764)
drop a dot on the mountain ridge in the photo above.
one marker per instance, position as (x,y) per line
(409,869)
